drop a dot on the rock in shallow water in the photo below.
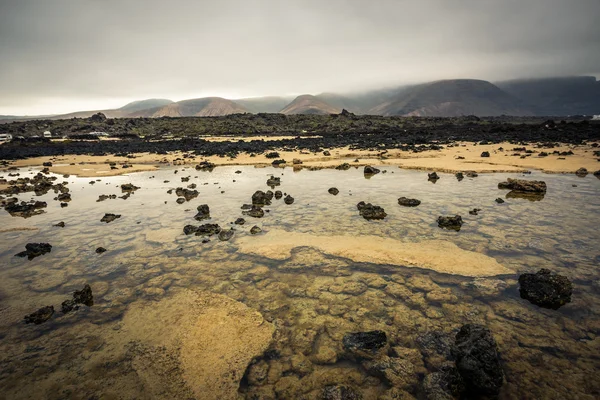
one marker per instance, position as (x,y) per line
(110,217)
(40,316)
(340,392)
(448,222)
(225,235)
(369,211)
(477,360)
(33,250)
(333,191)
(364,344)
(521,185)
(406,202)
(546,289)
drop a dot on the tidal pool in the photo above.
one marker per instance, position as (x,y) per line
(177,318)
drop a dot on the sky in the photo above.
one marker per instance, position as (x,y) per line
(59,56)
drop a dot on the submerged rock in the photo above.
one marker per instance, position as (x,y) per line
(110,217)
(368,211)
(83,296)
(397,372)
(240,221)
(445,384)
(521,185)
(477,360)
(340,392)
(449,222)
(474,211)
(364,344)
(33,250)
(40,316)
(333,191)
(406,202)
(499,200)
(546,289)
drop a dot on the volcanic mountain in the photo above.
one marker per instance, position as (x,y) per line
(203,107)
(308,104)
(450,98)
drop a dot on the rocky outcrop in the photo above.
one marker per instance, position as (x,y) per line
(477,360)
(406,202)
(546,289)
(369,211)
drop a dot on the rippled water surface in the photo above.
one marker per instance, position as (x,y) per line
(311,298)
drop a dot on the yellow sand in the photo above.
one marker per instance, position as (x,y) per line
(438,255)
(435,160)
(214,338)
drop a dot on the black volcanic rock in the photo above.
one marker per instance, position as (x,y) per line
(450,222)
(369,211)
(110,217)
(477,361)
(546,289)
(521,185)
(33,250)
(404,201)
(40,316)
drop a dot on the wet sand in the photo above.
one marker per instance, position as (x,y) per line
(445,160)
(437,255)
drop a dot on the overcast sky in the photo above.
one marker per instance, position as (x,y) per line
(67,55)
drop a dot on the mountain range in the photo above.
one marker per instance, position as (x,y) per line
(445,98)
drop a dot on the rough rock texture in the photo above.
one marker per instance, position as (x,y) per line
(369,170)
(477,360)
(110,217)
(364,345)
(40,316)
(208,230)
(203,212)
(225,235)
(288,200)
(260,198)
(404,201)
(450,222)
(397,372)
(255,230)
(273,181)
(521,185)
(255,212)
(369,211)
(33,250)
(445,384)
(581,172)
(546,289)
(340,392)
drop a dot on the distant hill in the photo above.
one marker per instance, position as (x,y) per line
(140,105)
(308,104)
(450,98)
(204,107)
(557,96)
(269,104)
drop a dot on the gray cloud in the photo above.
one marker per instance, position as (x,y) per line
(59,52)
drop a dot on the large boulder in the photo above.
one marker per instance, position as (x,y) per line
(477,360)
(546,289)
